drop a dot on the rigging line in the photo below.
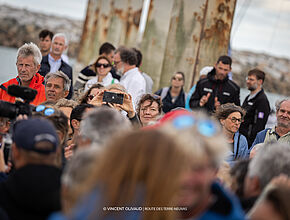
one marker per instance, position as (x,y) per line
(239,18)
(276,26)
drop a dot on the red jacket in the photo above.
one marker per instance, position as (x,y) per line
(36,83)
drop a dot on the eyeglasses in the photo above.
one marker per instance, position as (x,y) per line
(45,110)
(90,97)
(98,65)
(205,127)
(234,120)
(177,78)
(117,62)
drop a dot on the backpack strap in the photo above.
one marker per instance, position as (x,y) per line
(238,145)
(164,92)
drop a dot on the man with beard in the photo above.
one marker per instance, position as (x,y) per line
(125,61)
(216,89)
(257,106)
(281,132)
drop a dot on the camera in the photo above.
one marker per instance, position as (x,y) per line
(10,110)
(112,97)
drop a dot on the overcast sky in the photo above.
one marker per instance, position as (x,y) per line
(259,25)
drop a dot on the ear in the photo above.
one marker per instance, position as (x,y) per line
(66,93)
(37,68)
(76,124)
(222,121)
(255,186)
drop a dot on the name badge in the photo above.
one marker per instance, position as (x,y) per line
(250,103)
(207,89)
(226,93)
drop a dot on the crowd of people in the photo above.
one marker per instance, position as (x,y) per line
(108,148)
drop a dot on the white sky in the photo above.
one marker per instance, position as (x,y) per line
(259,25)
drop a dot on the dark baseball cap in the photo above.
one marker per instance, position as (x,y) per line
(27,134)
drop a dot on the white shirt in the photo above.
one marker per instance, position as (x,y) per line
(108,80)
(54,64)
(134,83)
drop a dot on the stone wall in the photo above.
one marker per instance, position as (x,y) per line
(19,26)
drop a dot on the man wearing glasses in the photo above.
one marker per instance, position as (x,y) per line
(216,89)
(125,61)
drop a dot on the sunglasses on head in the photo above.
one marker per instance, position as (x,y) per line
(102,64)
(205,127)
(46,111)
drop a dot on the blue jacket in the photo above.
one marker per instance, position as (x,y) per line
(64,67)
(241,151)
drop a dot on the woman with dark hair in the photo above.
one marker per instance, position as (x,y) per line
(231,116)
(173,96)
(149,109)
(91,93)
(102,68)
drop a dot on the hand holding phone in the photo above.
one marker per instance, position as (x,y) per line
(112,97)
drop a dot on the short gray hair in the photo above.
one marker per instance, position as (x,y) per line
(60,74)
(63,102)
(101,124)
(30,49)
(61,35)
(279,102)
(76,170)
(272,161)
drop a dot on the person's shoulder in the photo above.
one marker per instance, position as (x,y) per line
(65,64)
(263,132)
(10,82)
(232,84)
(44,59)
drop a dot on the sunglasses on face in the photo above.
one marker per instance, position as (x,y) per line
(90,97)
(98,65)
(177,78)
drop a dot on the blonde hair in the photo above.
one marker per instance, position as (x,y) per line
(116,86)
(150,164)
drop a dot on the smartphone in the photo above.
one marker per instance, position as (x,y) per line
(112,97)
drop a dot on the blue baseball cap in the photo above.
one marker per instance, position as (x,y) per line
(28,133)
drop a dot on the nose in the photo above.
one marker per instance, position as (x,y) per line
(147,111)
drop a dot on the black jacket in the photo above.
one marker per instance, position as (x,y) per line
(258,110)
(31,192)
(167,104)
(225,90)
(64,67)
